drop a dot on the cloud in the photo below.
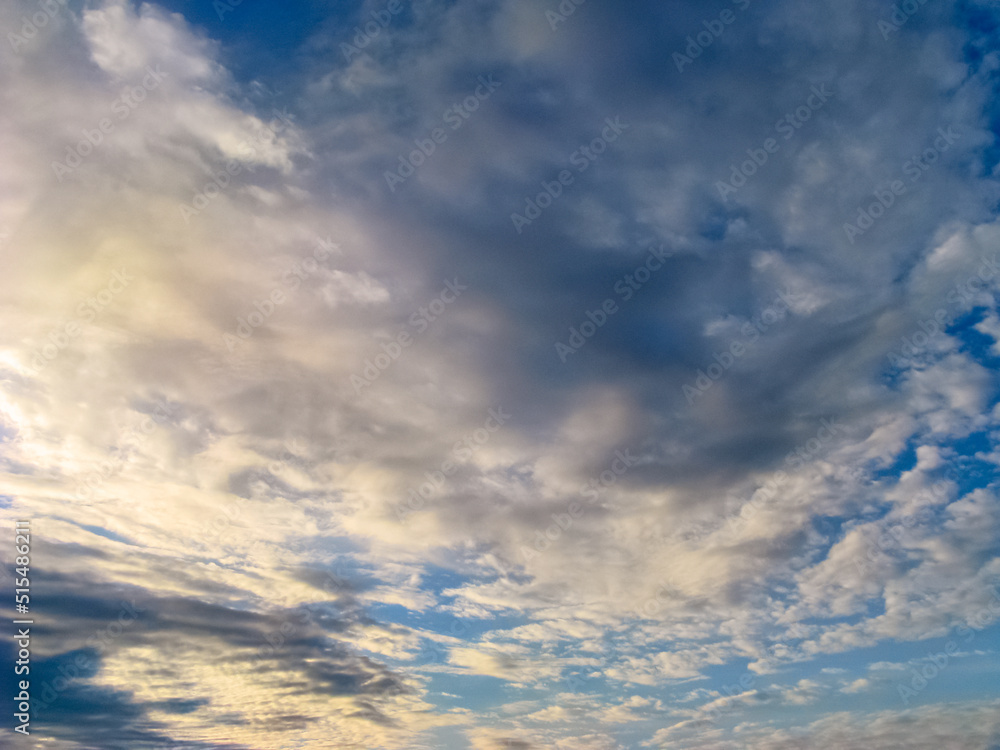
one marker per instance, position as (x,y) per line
(198,440)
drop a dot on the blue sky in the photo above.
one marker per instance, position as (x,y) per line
(515,374)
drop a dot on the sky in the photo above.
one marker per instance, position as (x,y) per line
(502,375)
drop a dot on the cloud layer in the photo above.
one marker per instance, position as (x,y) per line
(282,372)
